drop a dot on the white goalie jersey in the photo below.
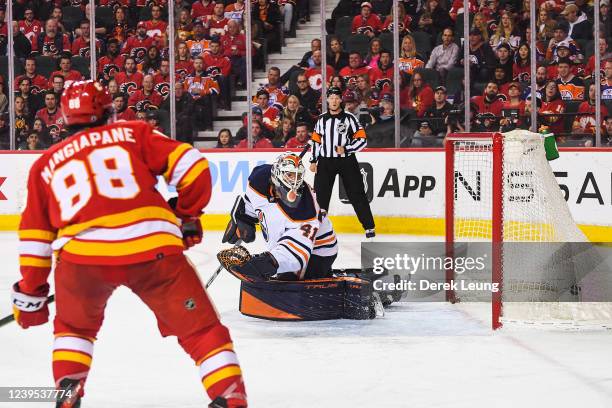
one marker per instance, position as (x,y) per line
(293,235)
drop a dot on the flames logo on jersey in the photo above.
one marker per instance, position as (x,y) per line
(383,84)
(213,71)
(523,77)
(502,97)
(181,74)
(144,105)
(50,48)
(351,81)
(401,26)
(128,87)
(138,53)
(35,89)
(84,52)
(110,70)
(365,29)
(162,88)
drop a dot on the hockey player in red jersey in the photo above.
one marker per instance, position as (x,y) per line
(92,200)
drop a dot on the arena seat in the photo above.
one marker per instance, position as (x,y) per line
(104,16)
(81,64)
(422,41)
(431,76)
(45,65)
(343,28)
(386,39)
(72,17)
(359,43)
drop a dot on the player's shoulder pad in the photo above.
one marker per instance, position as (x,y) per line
(259,179)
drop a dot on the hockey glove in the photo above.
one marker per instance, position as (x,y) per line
(259,268)
(192,231)
(241,226)
(30,309)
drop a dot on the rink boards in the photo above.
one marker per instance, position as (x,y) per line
(405,188)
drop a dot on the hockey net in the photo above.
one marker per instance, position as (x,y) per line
(501,189)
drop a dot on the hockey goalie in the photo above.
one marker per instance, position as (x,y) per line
(293,279)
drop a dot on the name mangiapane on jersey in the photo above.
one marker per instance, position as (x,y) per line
(91,139)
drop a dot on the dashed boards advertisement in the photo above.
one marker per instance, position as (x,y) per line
(406,189)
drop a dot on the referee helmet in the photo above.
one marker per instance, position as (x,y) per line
(334,90)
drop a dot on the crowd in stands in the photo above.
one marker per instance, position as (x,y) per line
(52,47)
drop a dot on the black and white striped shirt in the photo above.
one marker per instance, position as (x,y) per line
(330,131)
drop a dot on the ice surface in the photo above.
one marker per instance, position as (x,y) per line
(419,355)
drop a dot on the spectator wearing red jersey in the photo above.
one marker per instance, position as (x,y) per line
(586,122)
(51,43)
(604,55)
(502,81)
(233,45)
(457,8)
(513,109)
(129,80)
(219,67)
(301,138)
(271,114)
(156,27)
(488,102)
(183,65)
(30,26)
(137,45)
(184,28)
(202,8)
(146,98)
(366,22)
(521,69)
(551,104)
(122,112)
(217,22)
(38,83)
(314,75)
(65,70)
(202,88)
(162,79)
(403,19)
(111,63)
(259,141)
(420,96)
(355,68)
(51,115)
(80,45)
(381,77)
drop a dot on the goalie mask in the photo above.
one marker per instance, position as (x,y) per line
(288,178)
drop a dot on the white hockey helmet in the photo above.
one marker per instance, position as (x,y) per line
(288,177)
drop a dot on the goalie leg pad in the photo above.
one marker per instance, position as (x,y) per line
(317,299)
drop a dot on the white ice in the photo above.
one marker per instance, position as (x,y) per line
(418,355)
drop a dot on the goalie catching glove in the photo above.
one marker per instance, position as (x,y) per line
(241,264)
(30,309)
(241,225)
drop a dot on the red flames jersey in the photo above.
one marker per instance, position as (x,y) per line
(49,46)
(30,30)
(162,84)
(137,48)
(314,77)
(80,47)
(382,78)
(39,83)
(141,102)
(183,68)
(128,83)
(155,28)
(127,114)
(362,26)
(350,75)
(109,67)
(92,197)
(200,10)
(587,123)
(555,123)
(217,27)
(217,64)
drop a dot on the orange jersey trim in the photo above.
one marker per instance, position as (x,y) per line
(360,134)
(316,137)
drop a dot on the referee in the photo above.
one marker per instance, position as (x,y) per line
(336,138)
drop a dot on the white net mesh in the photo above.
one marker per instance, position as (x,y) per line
(534,210)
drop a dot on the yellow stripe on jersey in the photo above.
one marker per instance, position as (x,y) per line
(192,174)
(32,261)
(37,234)
(134,246)
(121,219)
(173,158)
(72,356)
(222,374)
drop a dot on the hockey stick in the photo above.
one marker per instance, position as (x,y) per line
(7,319)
